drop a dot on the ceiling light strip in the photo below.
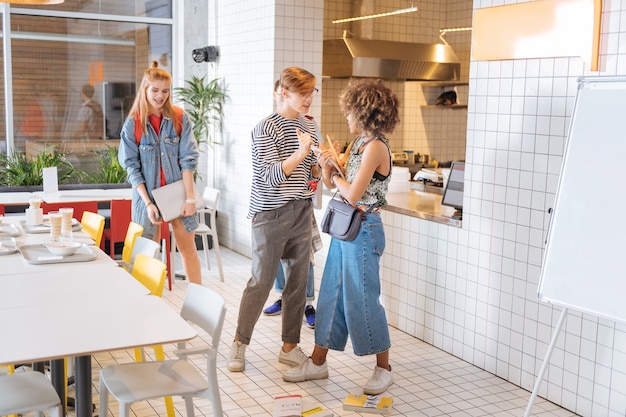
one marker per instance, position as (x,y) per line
(374,16)
(462,29)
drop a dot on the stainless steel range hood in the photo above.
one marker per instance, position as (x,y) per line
(350,57)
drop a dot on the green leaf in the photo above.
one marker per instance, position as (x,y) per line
(204,105)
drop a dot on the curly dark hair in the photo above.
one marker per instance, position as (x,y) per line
(373,106)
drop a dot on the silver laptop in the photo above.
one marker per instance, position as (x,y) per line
(171,197)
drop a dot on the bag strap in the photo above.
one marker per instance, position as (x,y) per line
(373,206)
(363,213)
(178,114)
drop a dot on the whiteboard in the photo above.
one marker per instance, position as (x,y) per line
(585,258)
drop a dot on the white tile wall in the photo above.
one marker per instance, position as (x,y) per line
(257,40)
(469,291)
(439,133)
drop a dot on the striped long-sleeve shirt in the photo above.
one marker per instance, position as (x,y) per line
(274,139)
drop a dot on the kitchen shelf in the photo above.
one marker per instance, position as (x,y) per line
(443,85)
(453,107)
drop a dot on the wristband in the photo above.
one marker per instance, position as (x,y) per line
(148,204)
(190,201)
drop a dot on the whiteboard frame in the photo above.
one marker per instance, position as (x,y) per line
(586,238)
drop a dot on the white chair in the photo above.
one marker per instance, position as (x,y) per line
(211,197)
(28,391)
(144,246)
(132,382)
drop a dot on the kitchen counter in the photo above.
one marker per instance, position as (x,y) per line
(421,204)
(414,203)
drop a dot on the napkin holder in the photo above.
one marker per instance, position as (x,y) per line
(34,216)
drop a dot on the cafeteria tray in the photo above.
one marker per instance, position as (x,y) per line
(39,255)
(45,226)
(9,229)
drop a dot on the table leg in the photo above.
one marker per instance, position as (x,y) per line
(39,367)
(82,382)
(57,377)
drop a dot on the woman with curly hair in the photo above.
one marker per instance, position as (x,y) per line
(348,303)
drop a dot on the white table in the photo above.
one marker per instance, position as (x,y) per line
(16,199)
(53,311)
(30,289)
(62,196)
(120,323)
(127,321)
(16,264)
(97,194)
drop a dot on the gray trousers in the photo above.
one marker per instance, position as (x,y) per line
(281,235)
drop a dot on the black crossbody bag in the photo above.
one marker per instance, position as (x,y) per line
(342,220)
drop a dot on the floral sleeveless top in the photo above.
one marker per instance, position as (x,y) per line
(376,190)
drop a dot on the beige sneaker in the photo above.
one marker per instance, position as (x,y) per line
(307,371)
(378,383)
(237,357)
(295,357)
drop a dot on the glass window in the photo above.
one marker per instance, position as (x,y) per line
(54,58)
(141,8)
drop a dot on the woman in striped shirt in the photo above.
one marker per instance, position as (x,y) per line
(281,212)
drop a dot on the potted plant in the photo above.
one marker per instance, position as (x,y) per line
(205,102)
(18,170)
(110,172)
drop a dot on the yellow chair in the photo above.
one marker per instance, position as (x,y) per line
(152,272)
(93,225)
(132,233)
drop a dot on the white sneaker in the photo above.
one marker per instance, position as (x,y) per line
(295,357)
(237,357)
(307,371)
(378,383)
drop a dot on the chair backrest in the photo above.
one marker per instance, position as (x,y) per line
(93,225)
(211,197)
(205,308)
(133,231)
(79,207)
(145,246)
(120,218)
(151,272)
(25,392)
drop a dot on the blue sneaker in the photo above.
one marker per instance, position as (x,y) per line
(275,308)
(309,315)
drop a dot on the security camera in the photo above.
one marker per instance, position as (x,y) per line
(206,54)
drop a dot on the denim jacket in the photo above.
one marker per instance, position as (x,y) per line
(143,163)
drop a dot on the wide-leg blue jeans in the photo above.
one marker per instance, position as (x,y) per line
(349,298)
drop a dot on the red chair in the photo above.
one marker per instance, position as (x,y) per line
(78,206)
(119,220)
(2,209)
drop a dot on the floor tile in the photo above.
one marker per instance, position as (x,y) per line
(428,381)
